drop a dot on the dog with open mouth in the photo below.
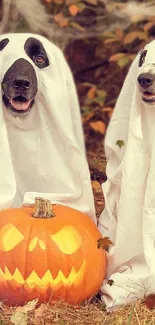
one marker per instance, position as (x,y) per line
(20,81)
(19,86)
(129,215)
(146,79)
(42,151)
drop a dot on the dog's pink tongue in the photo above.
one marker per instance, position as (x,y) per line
(20,106)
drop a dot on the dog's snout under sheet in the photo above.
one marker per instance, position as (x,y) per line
(42,153)
(129,214)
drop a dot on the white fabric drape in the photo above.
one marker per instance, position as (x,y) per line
(129,214)
(42,153)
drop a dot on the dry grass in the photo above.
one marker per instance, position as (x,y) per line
(89,313)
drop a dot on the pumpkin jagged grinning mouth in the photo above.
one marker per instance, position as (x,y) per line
(34,280)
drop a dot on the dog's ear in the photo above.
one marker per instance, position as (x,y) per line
(142,54)
(3,43)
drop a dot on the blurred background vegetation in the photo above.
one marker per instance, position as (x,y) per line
(99,38)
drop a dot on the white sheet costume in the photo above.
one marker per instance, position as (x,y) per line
(129,215)
(42,153)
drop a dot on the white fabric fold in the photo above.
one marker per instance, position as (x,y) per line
(129,214)
(43,153)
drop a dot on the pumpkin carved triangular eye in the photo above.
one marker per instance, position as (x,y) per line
(67,239)
(10,237)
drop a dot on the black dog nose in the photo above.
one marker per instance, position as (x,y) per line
(21,83)
(146,79)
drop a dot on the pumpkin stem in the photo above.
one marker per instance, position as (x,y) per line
(43,208)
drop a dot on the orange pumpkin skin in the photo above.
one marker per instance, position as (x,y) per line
(49,258)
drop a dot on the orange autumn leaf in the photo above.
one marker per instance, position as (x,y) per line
(98,126)
(110,113)
(96,185)
(149,25)
(109,110)
(132,36)
(106,109)
(61,20)
(116,57)
(73,9)
(119,33)
(111,40)
(91,93)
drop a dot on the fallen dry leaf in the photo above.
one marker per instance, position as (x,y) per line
(123,61)
(61,20)
(91,93)
(111,40)
(73,9)
(150,301)
(148,26)
(98,126)
(120,143)
(19,318)
(96,185)
(132,36)
(28,307)
(100,203)
(110,282)
(109,110)
(88,117)
(119,32)
(106,109)
(40,311)
(116,57)
(105,243)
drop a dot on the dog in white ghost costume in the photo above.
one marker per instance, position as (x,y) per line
(42,149)
(129,214)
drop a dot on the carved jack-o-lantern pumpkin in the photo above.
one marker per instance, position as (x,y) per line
(49,254)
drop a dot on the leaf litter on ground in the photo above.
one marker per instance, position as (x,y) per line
(91,312)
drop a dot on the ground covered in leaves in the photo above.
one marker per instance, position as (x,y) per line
(89,313)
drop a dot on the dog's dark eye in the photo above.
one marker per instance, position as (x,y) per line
(38,59)
(142,58)
(36,52)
